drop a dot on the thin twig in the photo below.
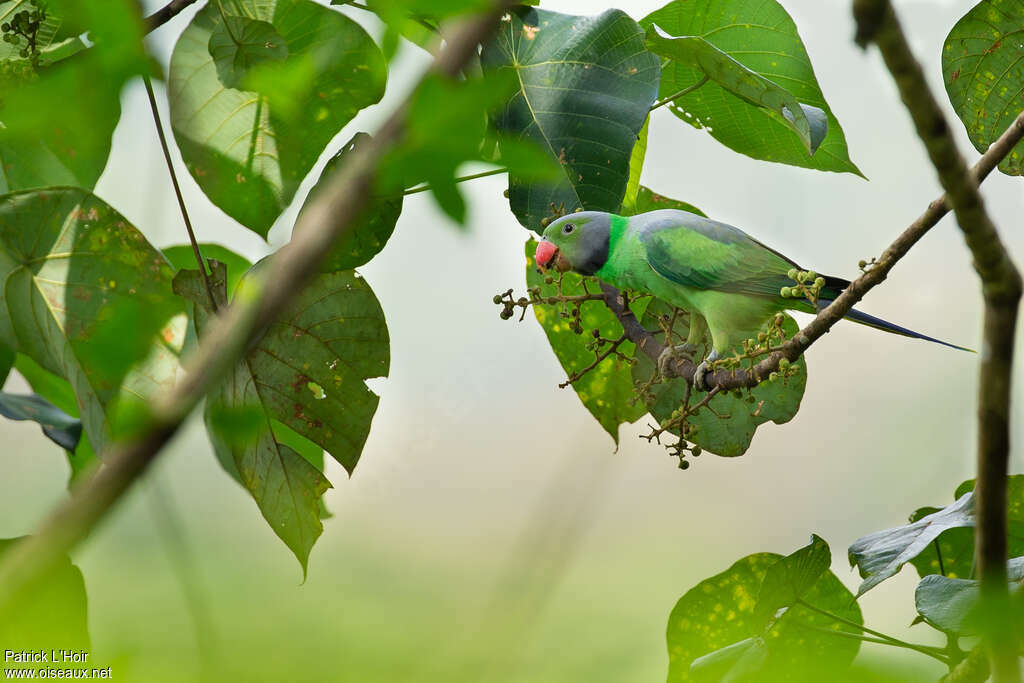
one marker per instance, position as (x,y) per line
(165,14)
(1001,289)
(177,192)
(482,174)
(834,312)
(684,91)
(327,219)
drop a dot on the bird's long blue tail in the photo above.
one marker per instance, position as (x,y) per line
(886,326)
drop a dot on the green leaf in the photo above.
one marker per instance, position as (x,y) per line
(58,119)
(809,123)
(721,611)
(182,258)
(949,604)
(250,147)
(237,44)
(58,392)
(880,555)
(606,390)
(58,426)
(307,372)
(51,610)
(984,74)
(6,364)
(585,85)
(726,426)
(636,167)
(88,299)
(789,579)
(760,36)
(649,200)
(374,226)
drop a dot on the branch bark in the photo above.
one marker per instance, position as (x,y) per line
(1001,288)
(165,14)
(325,221)
(834,312)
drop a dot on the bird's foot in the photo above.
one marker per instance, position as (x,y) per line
(706,367)
(669,355)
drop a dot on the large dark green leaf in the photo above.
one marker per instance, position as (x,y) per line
(585,85)
(606,390)
(59,427)
(809,123)
(307,372)
(880,555)
(984,74)
(375,225)
(761,37)
(58,117)
(87,298)
(249,148)
(727,424)
(51,612)
(721,611)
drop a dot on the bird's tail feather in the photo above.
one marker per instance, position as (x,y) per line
(886,326)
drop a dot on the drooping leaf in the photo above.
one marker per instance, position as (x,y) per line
(307,372)
(984,74)
(585,85)
(949,604)
(59,427)
(606,390)
(250,148)
(58,392)
(88,299)
(374,226)
(721,611)
(237,44)
(727,424)
(880,555)
(789,579)
(809,123)
(58,116)
(51,609)
(760,36)
(649,200)
(636,167)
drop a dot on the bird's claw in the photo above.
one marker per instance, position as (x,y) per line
(671,353)
(700,377)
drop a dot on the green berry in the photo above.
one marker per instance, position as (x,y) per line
(819,282)
(783,364)
(696,450)
(683,464)
(862,264)
(792,273)
(497,298)
(549,280)
(785,292)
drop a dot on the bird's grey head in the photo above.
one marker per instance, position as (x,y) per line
(579,242)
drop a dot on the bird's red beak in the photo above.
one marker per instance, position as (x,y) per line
(546,252)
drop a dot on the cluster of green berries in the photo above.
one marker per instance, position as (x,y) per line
(809,285)
(24,25)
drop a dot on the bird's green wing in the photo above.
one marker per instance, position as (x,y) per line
(696,252)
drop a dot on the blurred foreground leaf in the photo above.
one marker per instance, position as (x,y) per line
(61,428)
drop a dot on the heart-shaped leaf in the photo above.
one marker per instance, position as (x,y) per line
(761,37)
(250,146)
(88,299)
(984,74)
(307,372)
(809,123)
(585,87)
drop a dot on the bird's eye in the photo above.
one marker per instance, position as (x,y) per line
(568,228)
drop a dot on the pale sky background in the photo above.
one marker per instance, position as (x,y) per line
(484,488)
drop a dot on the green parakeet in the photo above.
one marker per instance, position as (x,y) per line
(728,281)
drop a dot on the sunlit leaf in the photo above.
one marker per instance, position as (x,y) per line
(374,226)
(809,123)
(720,613)
(636,167)
(88,299)
(250,148)
(585,85)
(760,36)
(984,74)
(789,579)
(606,390)
(649,200)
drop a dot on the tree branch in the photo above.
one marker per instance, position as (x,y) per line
(327,218)
(834,312)
(1001,288)
(165,14)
